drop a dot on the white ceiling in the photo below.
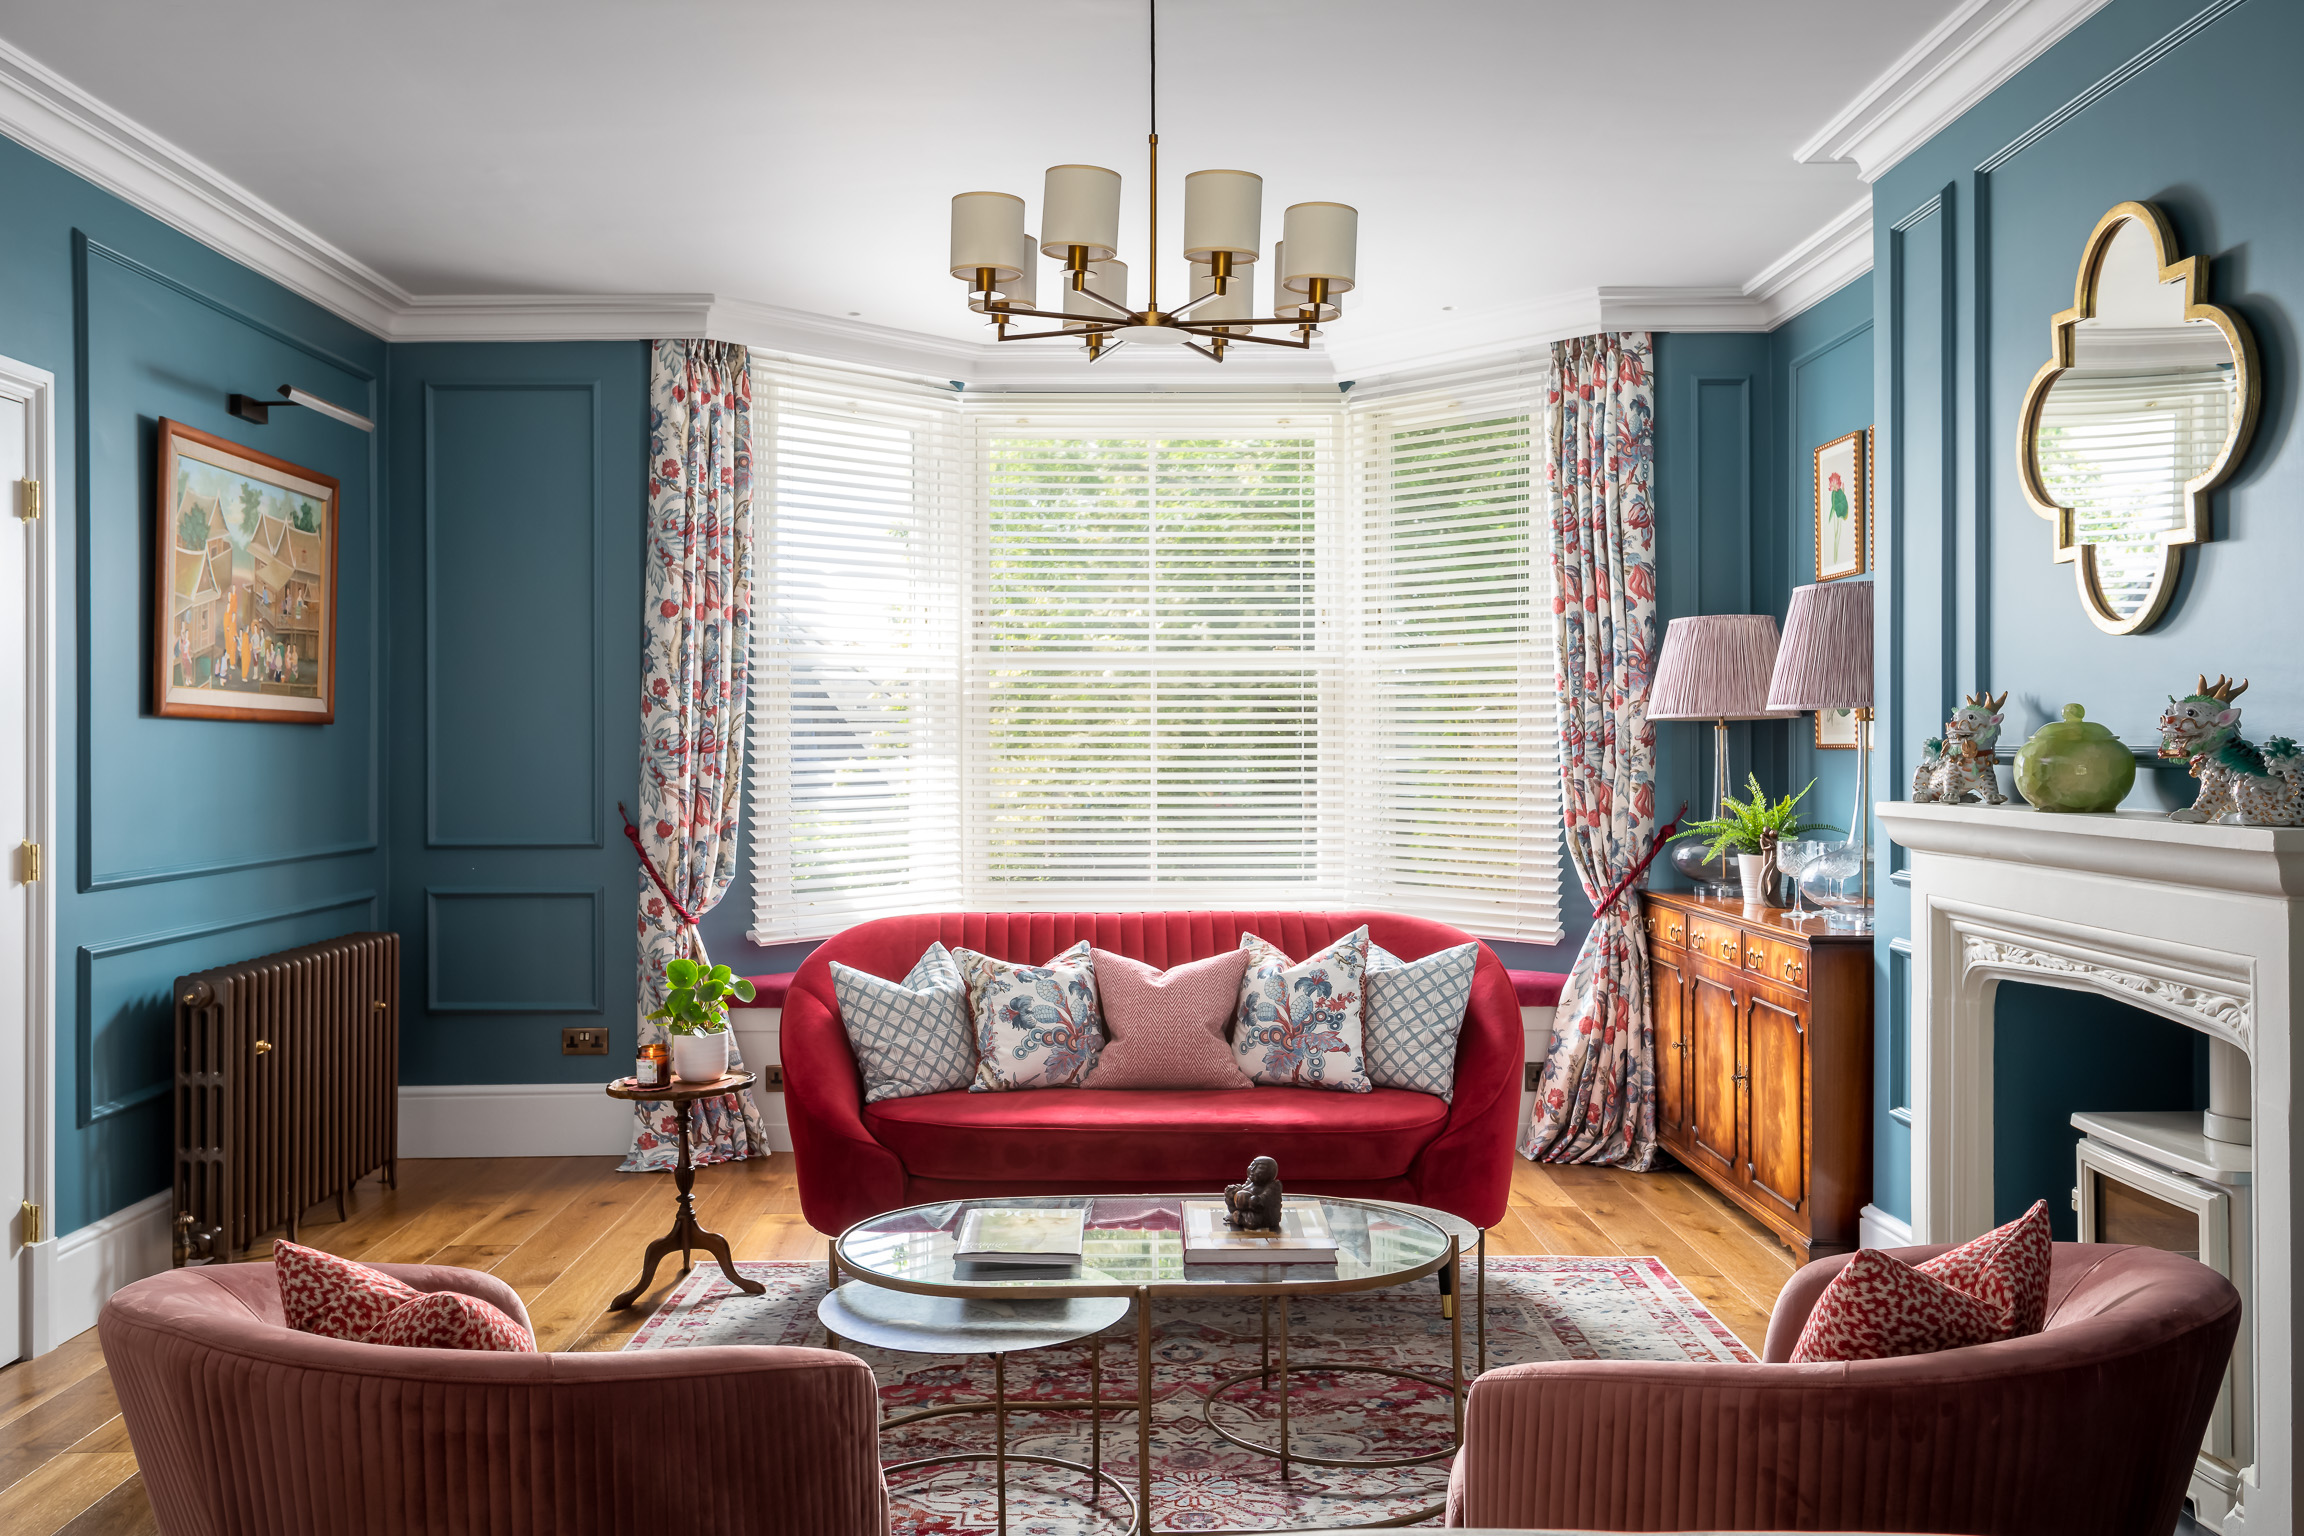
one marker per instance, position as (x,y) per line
(1501,152)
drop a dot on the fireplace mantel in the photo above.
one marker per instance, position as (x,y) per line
(2199,924)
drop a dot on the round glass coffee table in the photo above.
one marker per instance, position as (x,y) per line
(1133,1247)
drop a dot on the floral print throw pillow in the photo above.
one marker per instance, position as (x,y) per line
(1299,1025)
(1037,1026)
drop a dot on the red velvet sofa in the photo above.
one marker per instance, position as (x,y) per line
(856,1160)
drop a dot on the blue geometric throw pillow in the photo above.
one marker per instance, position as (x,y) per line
(911,1036)
(1414,1012)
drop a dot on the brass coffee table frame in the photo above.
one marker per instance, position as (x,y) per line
(1449,1260)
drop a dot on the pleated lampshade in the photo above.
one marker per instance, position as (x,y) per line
(1716,666)
(1825,661)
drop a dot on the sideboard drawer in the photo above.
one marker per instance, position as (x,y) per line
(1785,964)
(1716,940)
(1667,927)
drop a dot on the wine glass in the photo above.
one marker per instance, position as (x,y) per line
(1841,883)
(1794,856)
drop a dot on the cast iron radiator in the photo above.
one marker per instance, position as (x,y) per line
(287,1088)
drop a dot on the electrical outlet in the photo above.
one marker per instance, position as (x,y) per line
(1533,1071)
(583,1042)
(772,1079)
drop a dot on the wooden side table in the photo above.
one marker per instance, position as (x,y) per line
(687,1232)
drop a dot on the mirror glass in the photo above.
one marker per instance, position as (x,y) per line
(2144,411)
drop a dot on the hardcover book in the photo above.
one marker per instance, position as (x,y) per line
(1303,1237)
(1020,1235)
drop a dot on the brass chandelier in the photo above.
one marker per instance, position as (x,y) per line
(1080,226)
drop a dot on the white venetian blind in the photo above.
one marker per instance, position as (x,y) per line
(1449,735)
(859,491)
(1145,661)
(1149,652)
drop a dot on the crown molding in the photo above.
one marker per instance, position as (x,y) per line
(551,317)
(1962,60)
(1817,267)
(54,118)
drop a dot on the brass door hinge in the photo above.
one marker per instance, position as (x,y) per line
(29,507)
(33,1232)
(31,861)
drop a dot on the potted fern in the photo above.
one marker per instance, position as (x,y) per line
(1751,828)
(695,1014)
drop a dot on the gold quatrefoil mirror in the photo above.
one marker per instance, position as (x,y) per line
(2144,406)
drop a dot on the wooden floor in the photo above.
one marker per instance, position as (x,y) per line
(567,1234)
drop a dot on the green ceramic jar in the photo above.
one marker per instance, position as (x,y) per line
(2074,764)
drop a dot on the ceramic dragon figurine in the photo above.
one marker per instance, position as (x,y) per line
(1957,766)
(2266,787)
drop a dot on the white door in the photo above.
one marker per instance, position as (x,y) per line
(24,964)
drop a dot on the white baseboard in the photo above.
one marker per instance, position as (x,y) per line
(1875,1228)
(1536,1032)
(555,1119)
(74,1274)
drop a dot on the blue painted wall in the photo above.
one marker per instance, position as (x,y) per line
(180,843)
(514,540)
(2184,103)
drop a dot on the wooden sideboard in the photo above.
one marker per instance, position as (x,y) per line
(1764,1062)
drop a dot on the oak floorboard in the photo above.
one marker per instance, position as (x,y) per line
(567,1233)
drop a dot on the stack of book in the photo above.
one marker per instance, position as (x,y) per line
(1303,1237)
(1021,1235)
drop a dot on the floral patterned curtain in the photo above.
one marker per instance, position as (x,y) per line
(697,590)
(1596,1102)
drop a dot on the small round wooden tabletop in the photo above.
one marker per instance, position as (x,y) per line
(681,1092)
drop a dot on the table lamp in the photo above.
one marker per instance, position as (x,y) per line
(1716,667)
(1825,662)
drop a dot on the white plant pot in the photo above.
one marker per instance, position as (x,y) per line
(700,1058)
(1752,869)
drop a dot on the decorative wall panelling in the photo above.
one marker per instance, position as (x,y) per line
(175,837)
(519,476)
(2188,105)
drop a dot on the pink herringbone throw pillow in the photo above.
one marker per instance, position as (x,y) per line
(1166,1028)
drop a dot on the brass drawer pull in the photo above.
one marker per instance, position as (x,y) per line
(1728,950)
(1793,970)
(1757,959)
(1743,1077)
(1673,933)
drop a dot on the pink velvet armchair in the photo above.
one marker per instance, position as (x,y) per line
(2089,1427)
(241,1424)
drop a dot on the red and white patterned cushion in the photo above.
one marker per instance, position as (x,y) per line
(453,1320)
(335,1298)
(2006,1269)
(1878,1307)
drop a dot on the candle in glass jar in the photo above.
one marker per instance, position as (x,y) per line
(654,1068)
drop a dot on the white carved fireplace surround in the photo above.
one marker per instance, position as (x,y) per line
(2199,924)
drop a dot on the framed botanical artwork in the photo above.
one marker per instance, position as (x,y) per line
(1836,730)
(244,615)
(1843,507)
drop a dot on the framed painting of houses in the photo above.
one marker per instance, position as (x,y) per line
(1843,507)
(244,623)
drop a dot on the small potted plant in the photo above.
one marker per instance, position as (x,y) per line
(695,1012)
(1751,828)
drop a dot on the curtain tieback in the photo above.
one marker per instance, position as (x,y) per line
(1654,848)
(688,918)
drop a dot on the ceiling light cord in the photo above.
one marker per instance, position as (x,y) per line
(1152,146)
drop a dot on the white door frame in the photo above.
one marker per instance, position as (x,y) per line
(35,1071)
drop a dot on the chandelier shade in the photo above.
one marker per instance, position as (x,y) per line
(1323,241)
(1080,206)
(1223,234)
(1236,302)
(1108,278)
(1223,211)
(987,235)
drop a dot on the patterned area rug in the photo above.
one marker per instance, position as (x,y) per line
(1538,1309)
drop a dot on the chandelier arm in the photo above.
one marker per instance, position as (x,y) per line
(1262,320)
(1057,314)
(1102,353)
(1113,305)
(1263,341)
(1100,330)
(1190,305)
(1204,352)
